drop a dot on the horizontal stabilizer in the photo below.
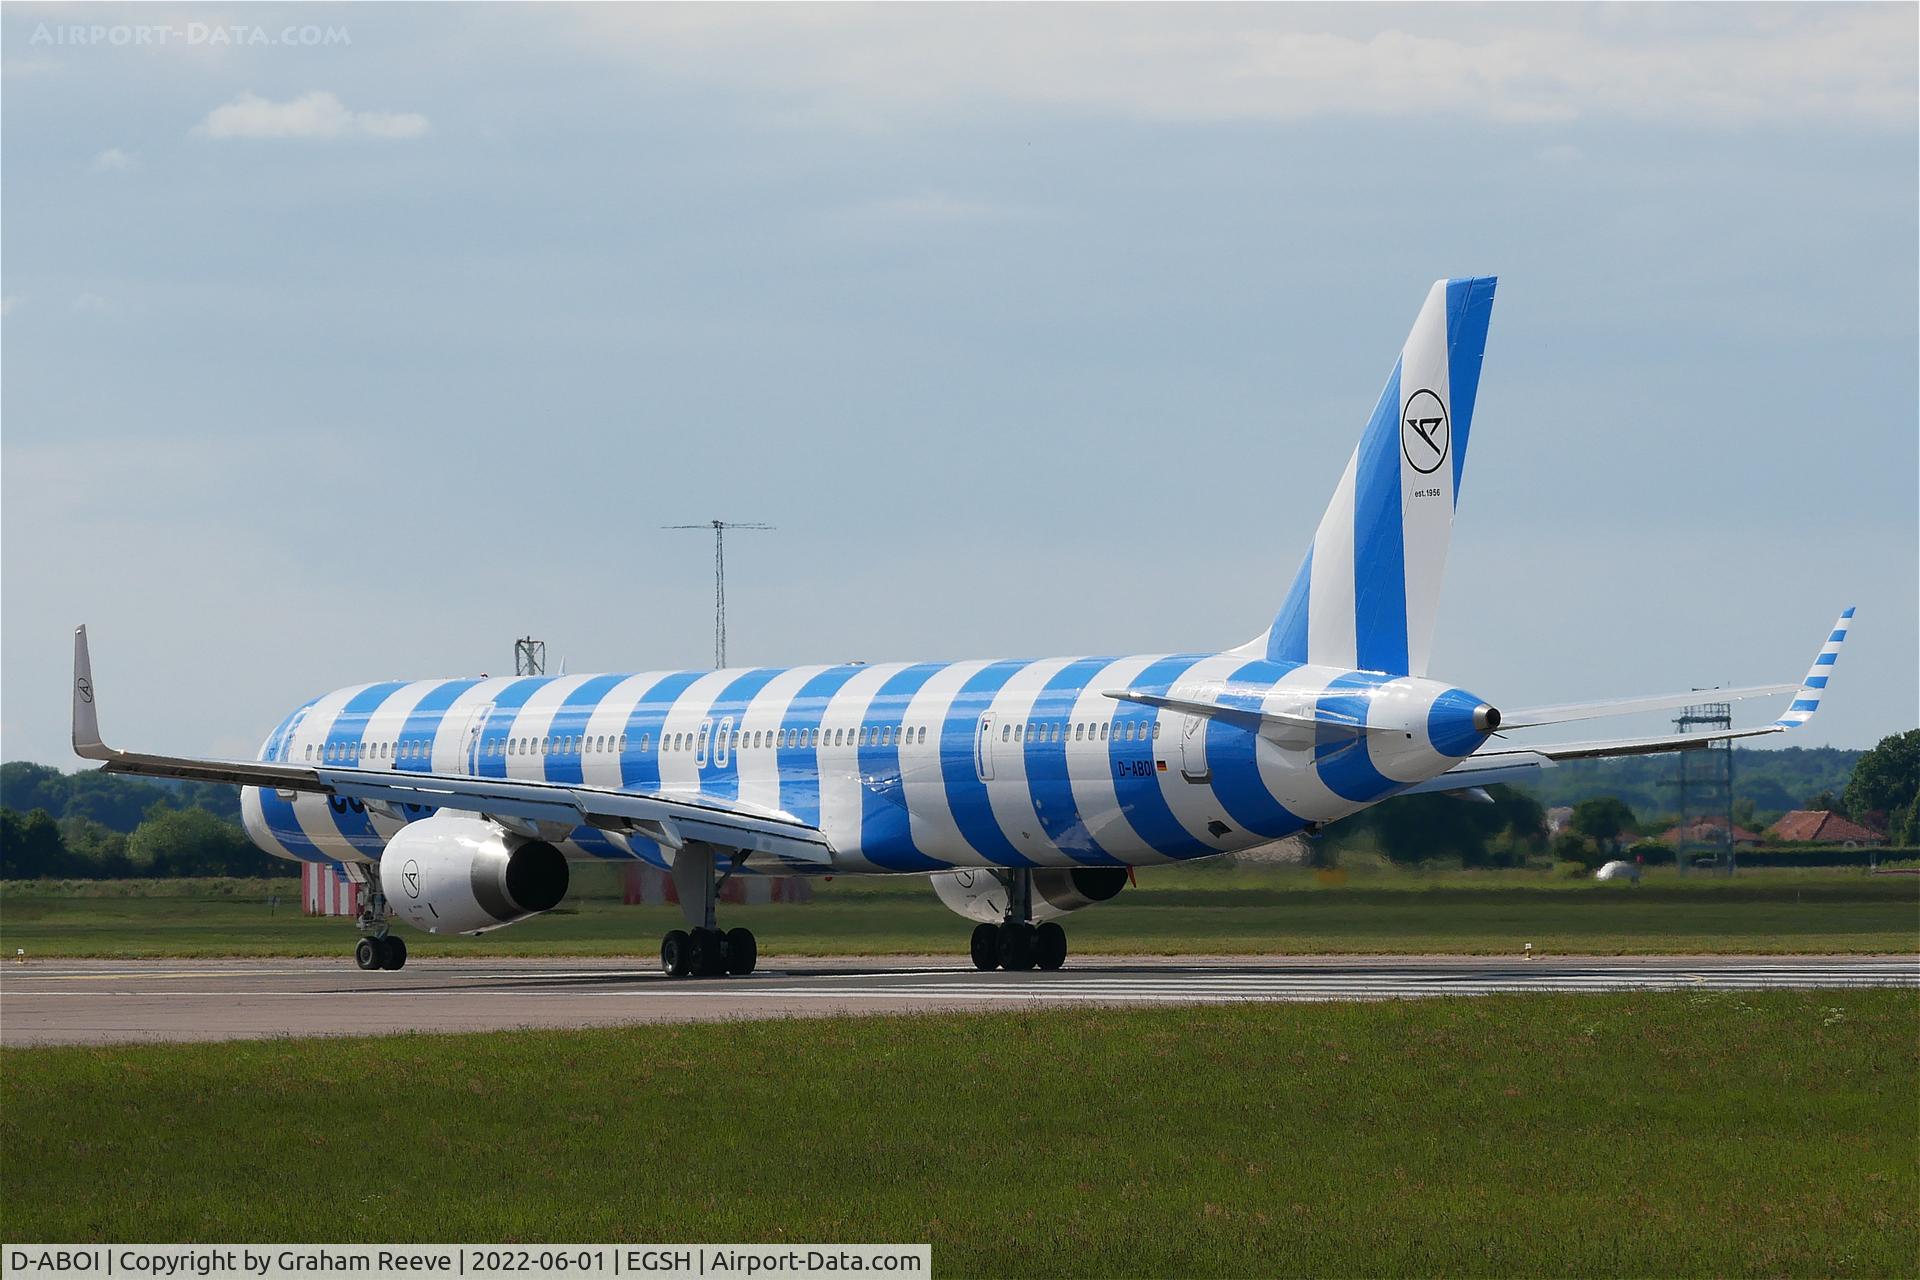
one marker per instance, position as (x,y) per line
(1270,722)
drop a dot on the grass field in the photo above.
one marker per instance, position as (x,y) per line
(1689,1134)
(1176,910)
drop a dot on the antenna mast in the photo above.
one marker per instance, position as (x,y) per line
(719,528)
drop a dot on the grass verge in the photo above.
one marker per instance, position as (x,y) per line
(1769,1133)
(1173,911)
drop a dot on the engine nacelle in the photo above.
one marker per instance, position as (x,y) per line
(458,873)
(978,894)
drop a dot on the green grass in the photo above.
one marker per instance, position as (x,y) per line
(1175,910)
(1664,1134)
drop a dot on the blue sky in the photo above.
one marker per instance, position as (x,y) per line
(344,343)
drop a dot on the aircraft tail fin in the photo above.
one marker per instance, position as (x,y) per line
(1369,589)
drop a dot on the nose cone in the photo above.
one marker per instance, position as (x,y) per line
(1459,722)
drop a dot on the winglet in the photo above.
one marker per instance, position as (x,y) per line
(86,717)
(1807,700)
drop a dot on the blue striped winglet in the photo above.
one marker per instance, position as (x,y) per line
(1807,700)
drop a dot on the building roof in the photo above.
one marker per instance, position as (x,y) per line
(1707,831)
(1822,826)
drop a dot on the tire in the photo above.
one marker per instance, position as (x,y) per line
(1050,946)
(676,954)
(743,952)
(394,952)
(1016,947)
(986,946)
(367,953)
(708,953)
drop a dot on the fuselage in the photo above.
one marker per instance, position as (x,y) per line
(904,767)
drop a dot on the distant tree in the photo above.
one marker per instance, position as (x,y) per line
(1603,820)
(192,842)
(96,850)
(1820,800)
(30,846)
(1744,811)
(1887,781)
(25,786)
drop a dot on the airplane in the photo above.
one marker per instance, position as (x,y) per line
(1024,790)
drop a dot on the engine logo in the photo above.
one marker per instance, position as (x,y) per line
(410,877)
(1424,433)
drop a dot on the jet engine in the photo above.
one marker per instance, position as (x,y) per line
(979,894)
(459,873)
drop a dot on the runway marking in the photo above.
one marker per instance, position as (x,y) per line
(82,1005)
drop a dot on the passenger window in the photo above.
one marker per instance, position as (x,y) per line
(1156,728)
(1006,732)
(309,751)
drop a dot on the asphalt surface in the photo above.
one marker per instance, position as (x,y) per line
(101,1002)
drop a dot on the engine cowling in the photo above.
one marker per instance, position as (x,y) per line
(979,894)
(459,873)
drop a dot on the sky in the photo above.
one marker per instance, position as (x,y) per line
(350,343)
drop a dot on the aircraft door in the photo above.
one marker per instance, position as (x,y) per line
(476,734)
(283,750)
(983,748)
(1193,749)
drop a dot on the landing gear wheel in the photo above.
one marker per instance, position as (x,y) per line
(676,954)
(709,953)
(743,952)
(393,949)
(1050,946)
(367,953)
(1016,947)
(986,946)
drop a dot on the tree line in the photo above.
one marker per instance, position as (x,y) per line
(101,826)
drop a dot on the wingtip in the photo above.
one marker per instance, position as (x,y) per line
(86,716)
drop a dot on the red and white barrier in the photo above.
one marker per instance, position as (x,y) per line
(650,886)
(326,891)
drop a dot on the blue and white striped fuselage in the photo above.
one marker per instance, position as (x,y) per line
(903,767)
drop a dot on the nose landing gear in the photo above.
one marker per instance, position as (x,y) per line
(377,948)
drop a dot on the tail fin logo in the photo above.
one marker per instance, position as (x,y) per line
(1424,434)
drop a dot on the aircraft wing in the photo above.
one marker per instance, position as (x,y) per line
(671,820)
(1506,764)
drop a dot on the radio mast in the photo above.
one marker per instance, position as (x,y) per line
(719,528)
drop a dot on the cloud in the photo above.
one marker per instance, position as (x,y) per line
(114,160)
(1721,65)
(9,302)
(90,304)
(311,115)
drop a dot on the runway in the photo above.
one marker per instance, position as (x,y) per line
(103,1002)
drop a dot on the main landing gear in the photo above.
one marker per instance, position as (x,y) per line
(1016,943)
(377,948)
(701,950)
